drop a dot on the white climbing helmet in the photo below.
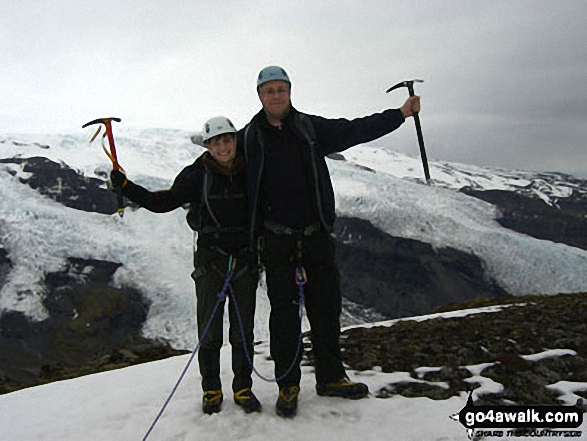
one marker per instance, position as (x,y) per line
(217,126)
(272,73)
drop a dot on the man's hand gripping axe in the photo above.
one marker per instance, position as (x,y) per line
(410,86)
(111,154)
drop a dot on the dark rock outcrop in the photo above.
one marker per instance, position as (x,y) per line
(65,185)
(534,217)
(402,277)
(92,326)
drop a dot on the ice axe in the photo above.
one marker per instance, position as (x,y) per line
(111,154)
(410,85)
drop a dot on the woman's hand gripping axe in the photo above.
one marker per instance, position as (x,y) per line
(410,86)
(111,154)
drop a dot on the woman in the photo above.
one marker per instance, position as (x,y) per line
(215,187)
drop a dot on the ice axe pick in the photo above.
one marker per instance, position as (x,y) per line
(107,122)
(410,85)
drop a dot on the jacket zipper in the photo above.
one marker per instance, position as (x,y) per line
(316,184)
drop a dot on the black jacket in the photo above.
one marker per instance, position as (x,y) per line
(217,201)
(325,136)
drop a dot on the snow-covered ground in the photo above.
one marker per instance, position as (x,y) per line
(123,404)
(156,249)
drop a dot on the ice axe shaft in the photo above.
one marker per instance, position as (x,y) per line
(112,155)
(410,86)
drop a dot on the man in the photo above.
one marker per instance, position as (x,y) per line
(291,207)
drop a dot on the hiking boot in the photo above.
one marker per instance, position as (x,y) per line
(247,400)
(212,401)
(287,402)
(343,388)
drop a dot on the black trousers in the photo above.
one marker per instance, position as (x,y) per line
(323,304)
(210,273)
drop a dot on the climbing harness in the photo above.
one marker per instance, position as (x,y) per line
(279,229)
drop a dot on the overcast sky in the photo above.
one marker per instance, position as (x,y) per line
(505,81)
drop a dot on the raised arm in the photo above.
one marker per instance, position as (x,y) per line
(185,189)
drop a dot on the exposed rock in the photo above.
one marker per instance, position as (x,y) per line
(534,217)
(337,157)
(402,277)
(92,326)
(529,325)
(340,157)
(65,185)
(528,385)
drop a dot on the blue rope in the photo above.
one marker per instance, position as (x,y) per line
(301,280)
(221,298)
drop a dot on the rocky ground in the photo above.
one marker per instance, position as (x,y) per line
(528,325)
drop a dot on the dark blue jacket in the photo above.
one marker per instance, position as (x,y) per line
(322,136)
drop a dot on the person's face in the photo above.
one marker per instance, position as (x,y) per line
(275,97)
(223,148)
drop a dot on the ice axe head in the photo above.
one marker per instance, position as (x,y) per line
(100,121)
(409,84)
(108,124)
(111,154)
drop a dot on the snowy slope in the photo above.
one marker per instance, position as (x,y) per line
(156,250)
(548,186)
(122,405)
(443,217)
